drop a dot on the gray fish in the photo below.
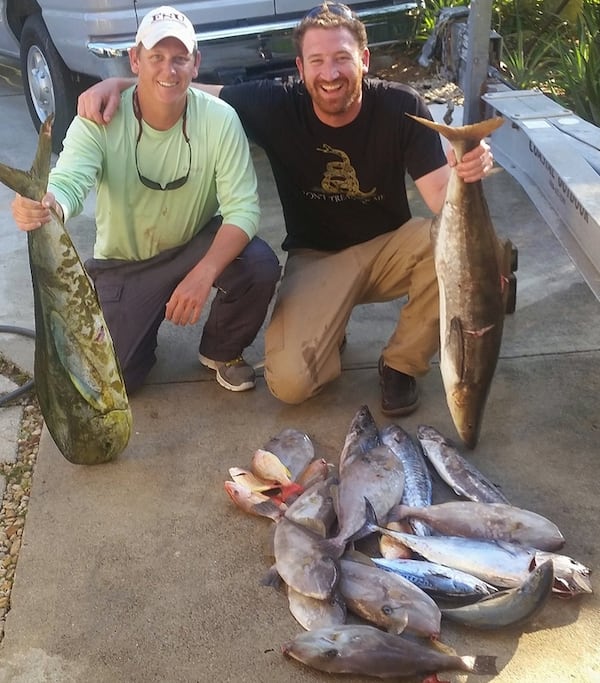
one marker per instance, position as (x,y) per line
(436,579)
(300,561)
(374,479)
(500,563)
(471,270)
(461,475)
(495,521)
(362,436)
(570,577)
(294,448)
(314,508)
(78,379)
(509,607)
(388,600)
(368,651)
(417,480)
(312,614)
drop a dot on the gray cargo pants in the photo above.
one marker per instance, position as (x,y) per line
(133,296)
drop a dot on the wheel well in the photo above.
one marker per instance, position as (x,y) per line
(16,13)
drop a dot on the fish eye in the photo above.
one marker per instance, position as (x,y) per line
(330,654)
(387,610)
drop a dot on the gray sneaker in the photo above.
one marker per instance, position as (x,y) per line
(235,375)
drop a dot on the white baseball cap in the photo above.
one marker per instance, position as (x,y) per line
(165,22)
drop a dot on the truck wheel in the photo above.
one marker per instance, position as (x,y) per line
(48,84)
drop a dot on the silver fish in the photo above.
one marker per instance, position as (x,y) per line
(314,508)
(461,475)
(509,607)
(368,651)
(374,479)
(311,613)
(495,521)
(293,448)
(300,561)
(388,600)
(570,577)
(78,379)
(500,563)
(362,436)
(417,480)
(436,579)
(471,269)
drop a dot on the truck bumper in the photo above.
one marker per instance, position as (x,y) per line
(265,50)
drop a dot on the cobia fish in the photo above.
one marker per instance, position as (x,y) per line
(495,521)
(470,265)
(509,607)
(461,475)
(77,376)
(368,651)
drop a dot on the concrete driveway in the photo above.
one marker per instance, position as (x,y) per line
(142,570)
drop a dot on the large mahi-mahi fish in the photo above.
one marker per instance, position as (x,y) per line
(472,270)
(77,375)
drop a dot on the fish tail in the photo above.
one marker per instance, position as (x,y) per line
(480,664)
(333,547)
(473,131)
(270,509)
(32,183)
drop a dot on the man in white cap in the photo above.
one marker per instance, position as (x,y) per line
(176,212)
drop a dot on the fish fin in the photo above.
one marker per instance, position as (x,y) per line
(472,133)
(32,183)
(370,515)
(456,343)
(267,508)
(334,492)
(84,375)
(333,547)
(481,664)
(356,556)
(272,578)
(400,622)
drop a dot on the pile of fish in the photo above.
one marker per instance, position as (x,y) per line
(372,567)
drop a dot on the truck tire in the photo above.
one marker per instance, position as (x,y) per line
(48,84)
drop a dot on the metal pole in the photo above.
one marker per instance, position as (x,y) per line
(478,47)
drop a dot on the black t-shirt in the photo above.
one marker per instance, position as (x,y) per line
(339,186)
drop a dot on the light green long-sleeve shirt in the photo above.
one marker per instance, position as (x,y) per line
(134,222)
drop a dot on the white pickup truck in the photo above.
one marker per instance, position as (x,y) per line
(63,45)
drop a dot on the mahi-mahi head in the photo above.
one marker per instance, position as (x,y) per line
(469,262)
(77,375)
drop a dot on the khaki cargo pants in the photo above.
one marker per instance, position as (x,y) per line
(318,292)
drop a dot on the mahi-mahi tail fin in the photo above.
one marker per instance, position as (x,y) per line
(32,183)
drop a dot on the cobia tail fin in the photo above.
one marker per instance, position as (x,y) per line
(463,138)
